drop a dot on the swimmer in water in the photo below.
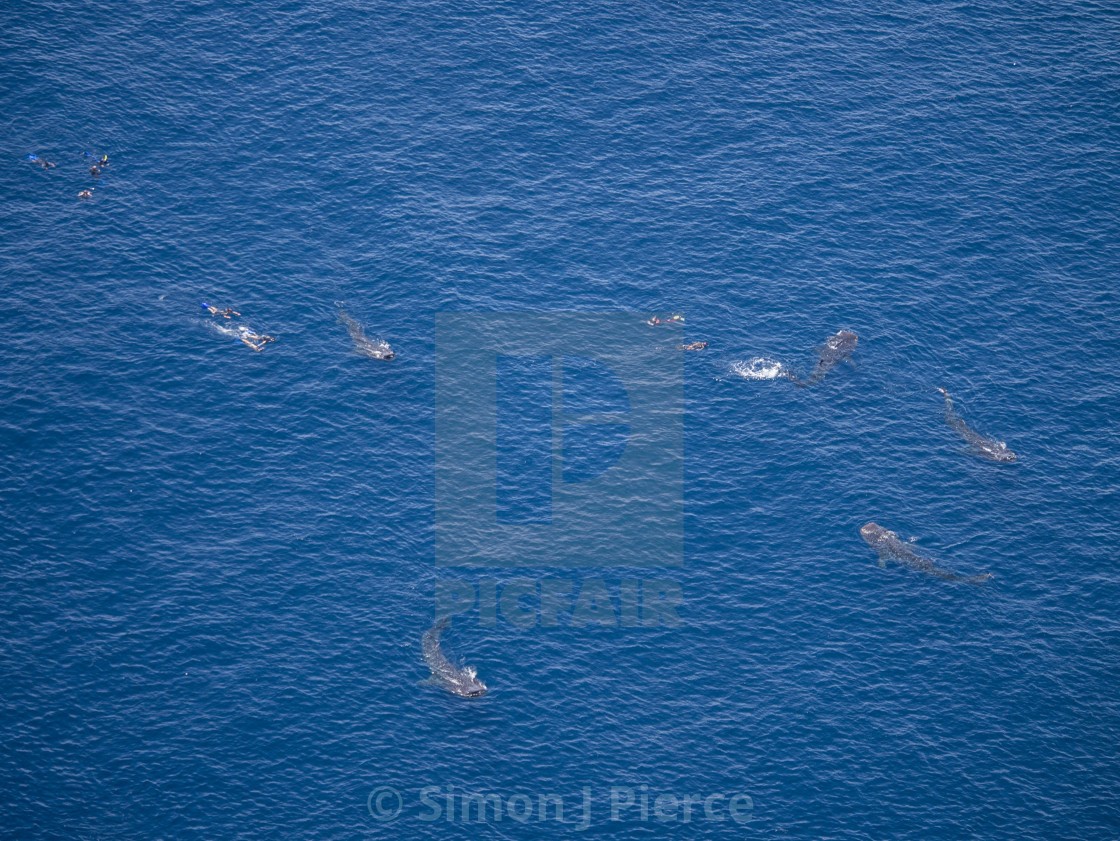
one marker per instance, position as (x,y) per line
(255,340)
(694,346)
(86,194)
(673,319)
(94,171)
(227,312)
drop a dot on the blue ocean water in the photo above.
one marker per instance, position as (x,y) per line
(216,564)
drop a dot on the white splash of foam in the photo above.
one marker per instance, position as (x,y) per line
(758,368)
(218,327)
(234,331)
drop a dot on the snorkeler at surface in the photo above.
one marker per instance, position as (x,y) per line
(673,319)
(255,340)
(94,171)
(86,194)
(227,312)
(694,346)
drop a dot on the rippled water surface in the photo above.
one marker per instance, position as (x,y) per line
(216,565)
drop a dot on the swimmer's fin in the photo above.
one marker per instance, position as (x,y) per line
(32,157)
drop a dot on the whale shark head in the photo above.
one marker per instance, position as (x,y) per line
(874,534)
(844,341)
(467,684)
(998,451)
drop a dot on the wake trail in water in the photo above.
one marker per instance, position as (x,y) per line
(232,332)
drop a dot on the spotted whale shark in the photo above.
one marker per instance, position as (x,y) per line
(456,680)
(987,447)
(887,544)
(836,349)
(372,348)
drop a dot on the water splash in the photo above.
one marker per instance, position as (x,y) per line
(759,368)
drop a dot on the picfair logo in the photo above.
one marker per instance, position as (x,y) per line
(558,442)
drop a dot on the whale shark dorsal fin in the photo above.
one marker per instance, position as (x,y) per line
(471,672)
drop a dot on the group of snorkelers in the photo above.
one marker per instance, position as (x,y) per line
(245,334)
(95,170)
(675,318)
(98,165)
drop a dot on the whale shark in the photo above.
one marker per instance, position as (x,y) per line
(836,349)
(374,349)
(987,447)
(887,544)
(458,681)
